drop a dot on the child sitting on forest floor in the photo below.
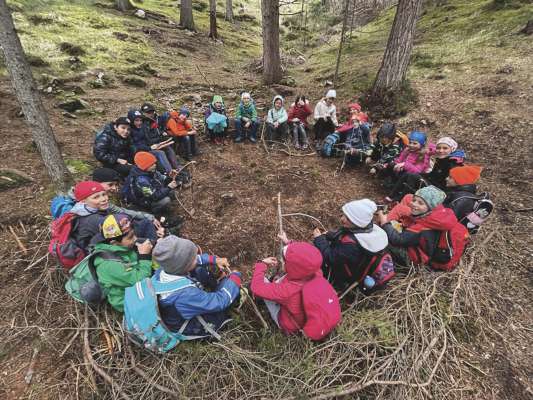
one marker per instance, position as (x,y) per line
(246,119)
(388,145)
(113,146)
(299,111)
(414,159)
(200,308)
(276,121)
(325,116)
(216,120)
(446,157)
(179,126)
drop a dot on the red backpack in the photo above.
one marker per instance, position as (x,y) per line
(450,248)
(62,246)
(322,308)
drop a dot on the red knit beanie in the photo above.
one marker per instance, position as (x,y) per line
(466,175)
(87,188)
(144,160)
(355,106)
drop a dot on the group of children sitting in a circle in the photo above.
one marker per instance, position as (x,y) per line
(110,252)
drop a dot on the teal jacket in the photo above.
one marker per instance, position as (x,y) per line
(248,111)
(115,276)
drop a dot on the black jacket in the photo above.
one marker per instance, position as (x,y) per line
(143,188)
(109,146)
(461,199)
(441,170)
(152,132)
(344,258)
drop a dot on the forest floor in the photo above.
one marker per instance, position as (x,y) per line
(472,325)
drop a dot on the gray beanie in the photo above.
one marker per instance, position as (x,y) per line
(174,254)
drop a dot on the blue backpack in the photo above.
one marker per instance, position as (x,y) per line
(61,205)
(142,320)
(328,147)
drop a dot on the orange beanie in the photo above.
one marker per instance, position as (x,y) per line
(466,175)
(144,160)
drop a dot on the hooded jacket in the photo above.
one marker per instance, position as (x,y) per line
(347,252)
(247,111)
(109,146)
(115,276)
(138,136)
(211,107)
(177,127)
(461,200)
(153,132)
(184,305)
(411,159)
(421,234)
(302,263)
(274,115)
(300,112)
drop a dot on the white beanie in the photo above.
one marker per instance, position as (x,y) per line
(331,93)
(360,212)
(245,95)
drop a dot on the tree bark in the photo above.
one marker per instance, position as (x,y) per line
(213,34)
(399,46)
(271,54)
(124,5)
(30,101)
(343,34)
(186,18)
(229,11)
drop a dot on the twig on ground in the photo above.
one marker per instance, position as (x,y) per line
(17,239)
(305,215)
(256,310)
(181,204)
(211,88)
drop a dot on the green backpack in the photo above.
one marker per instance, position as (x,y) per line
(83,285)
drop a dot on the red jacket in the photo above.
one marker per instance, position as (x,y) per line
(303,261)
(300,112)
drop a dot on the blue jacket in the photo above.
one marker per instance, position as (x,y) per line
(143,188)
(109,146)
(359,138)
(184,305)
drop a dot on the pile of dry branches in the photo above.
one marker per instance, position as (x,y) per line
(407,342)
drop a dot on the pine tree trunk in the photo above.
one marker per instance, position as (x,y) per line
(271,54)
(30,101)
(398,52)
(213,34)
(341,42)
(124,5)
(186,18)
(229,11)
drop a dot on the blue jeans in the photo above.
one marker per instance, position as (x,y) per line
(162,160)
(145,229)
(239,127)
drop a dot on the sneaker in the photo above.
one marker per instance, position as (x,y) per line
(297,146)
(238,139)
(253,139)
(305,146)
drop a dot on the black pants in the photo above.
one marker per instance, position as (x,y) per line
(278,134)
(122,169)
(323,128)
(406,183)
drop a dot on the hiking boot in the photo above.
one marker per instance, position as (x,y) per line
(238,139)
(253,139)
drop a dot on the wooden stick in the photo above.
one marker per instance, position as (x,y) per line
(33,264)
(181,204)
(254,306)
(17,239)
(149,379)
(305,215)
(263,137)
(350,288)
(280,222)
(94,365)
(205,77)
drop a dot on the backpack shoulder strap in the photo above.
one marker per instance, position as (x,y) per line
(167,287)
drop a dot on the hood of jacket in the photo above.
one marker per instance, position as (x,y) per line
(278,97)
(302,261)
(373,241)
(82,210)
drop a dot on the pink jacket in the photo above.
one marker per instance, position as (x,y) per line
(412,164)
(303,261)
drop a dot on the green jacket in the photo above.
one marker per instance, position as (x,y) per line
(115,276)
(248,111)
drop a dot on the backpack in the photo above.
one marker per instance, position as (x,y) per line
(127,193)
(62,246)
(61,205)
(450,248)
(328,147)
(83,285)
(481,211)
(381,269)
(322,308)
(142,320)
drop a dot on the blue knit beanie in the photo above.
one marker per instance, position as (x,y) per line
(431,195)
(185,111)
(417,136)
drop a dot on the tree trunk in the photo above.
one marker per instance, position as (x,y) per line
(186,18)
(229,11)
(30,101)
(398,52)
(271,53)
(213,19)
(343,34)
(124,5)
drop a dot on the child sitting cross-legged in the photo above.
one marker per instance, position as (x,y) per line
(181,127)
(200,308)
(299,111)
